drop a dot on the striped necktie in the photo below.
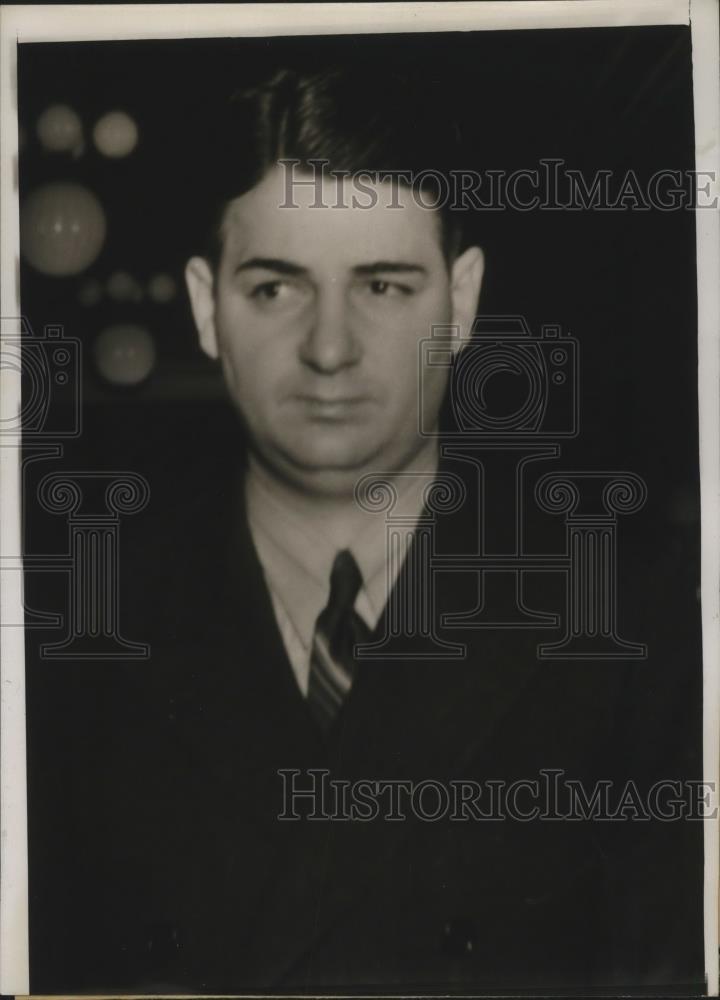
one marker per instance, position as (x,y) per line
(337,630)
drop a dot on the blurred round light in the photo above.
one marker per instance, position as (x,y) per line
(62,228)
(90,293)
(59,129)
(115,134)
(162,288)
(122,287)
(125,354)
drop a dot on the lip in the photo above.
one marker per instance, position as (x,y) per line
(331,407)
(331,400)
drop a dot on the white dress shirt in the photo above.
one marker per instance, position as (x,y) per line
(296,556)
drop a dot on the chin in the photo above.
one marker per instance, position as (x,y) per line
(315,454)
(329,483)
(328,471)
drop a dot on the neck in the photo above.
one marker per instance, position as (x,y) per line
(338,517)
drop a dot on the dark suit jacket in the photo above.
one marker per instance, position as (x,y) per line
(158,863)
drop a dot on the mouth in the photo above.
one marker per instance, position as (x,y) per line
(332,407)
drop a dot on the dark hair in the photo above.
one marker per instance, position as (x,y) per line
(357,118)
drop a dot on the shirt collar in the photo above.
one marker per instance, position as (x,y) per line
(297,556)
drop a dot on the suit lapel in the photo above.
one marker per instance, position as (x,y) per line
(429,716)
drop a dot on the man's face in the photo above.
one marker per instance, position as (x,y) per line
(316,315)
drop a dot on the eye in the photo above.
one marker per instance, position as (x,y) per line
(382,288)
(274,293)
(267,290)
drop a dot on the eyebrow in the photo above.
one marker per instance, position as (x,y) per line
(281,266)
(271,264)
(389,267)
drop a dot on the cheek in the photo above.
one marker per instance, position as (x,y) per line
(435,382)
(401,349)
(253,358)
(251,377)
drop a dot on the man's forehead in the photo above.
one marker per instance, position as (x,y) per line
(274,217)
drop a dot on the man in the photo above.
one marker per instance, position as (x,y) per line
(226,878)
(317,317)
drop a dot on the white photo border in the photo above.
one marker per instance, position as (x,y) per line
(29,23)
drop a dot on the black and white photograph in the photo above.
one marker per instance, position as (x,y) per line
(360,499)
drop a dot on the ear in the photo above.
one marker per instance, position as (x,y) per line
(466,281)
(200,283)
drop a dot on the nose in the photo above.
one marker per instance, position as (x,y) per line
(329,343)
